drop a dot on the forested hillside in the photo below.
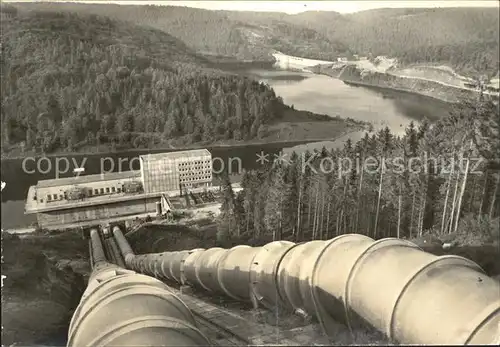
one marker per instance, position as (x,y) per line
(466,39)
(72,81)
(246,37)
(441,179)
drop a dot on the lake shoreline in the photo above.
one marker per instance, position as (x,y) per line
(385,88)
(318,96)
(399,90)
(293,118)
(283,143)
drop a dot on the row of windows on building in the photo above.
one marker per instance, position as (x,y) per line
(194,177)
(187,166)
(187,169)
(102,191)
(195,162)
(51,197)
(205,174)
(197,165)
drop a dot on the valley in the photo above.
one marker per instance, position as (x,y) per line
(132,88)
(269,148)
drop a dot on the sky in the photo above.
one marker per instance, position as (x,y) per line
(292,7)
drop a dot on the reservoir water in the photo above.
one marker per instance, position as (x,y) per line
(315,93)
(325,95)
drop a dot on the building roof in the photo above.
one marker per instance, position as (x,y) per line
(93,201)
(176,155)
(87,179)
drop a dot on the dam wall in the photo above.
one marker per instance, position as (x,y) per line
(289,62)
(350,73)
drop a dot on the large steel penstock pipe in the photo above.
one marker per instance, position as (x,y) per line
(410,295)
(123,308)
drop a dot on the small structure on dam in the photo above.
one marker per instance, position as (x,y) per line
(93,199)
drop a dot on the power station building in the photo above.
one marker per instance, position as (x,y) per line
(89,199)
(178,171)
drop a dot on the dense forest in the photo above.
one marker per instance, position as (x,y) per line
(472,59)
(71,81)
(440,178)
(216,32)
(464,38)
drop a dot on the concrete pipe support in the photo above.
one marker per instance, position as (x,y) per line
(123,308)
(411,296)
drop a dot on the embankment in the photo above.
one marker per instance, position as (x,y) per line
(373,79)
(45,278)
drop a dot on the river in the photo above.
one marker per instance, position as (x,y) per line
(315,93)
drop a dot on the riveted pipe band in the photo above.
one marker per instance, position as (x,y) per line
(233,272)
(120,307)
(421,271)
(177,264)
(157,265)
(183,279)
(263,273)
(110,284)
(484,325)
(280,275)
(325,320)
(139,266)
(93,287)
(448,302)
(206,269)
(147,263)
(388,242)
(151,260)
(340,278)
(189,269)
(290,273)
(129,293)
(167,265)
(220,275)
(140,330)
(164,268)
(304,271)
(124,298)
(303,274)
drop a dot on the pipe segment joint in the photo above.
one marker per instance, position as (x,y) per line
(123,308)
(411,296)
